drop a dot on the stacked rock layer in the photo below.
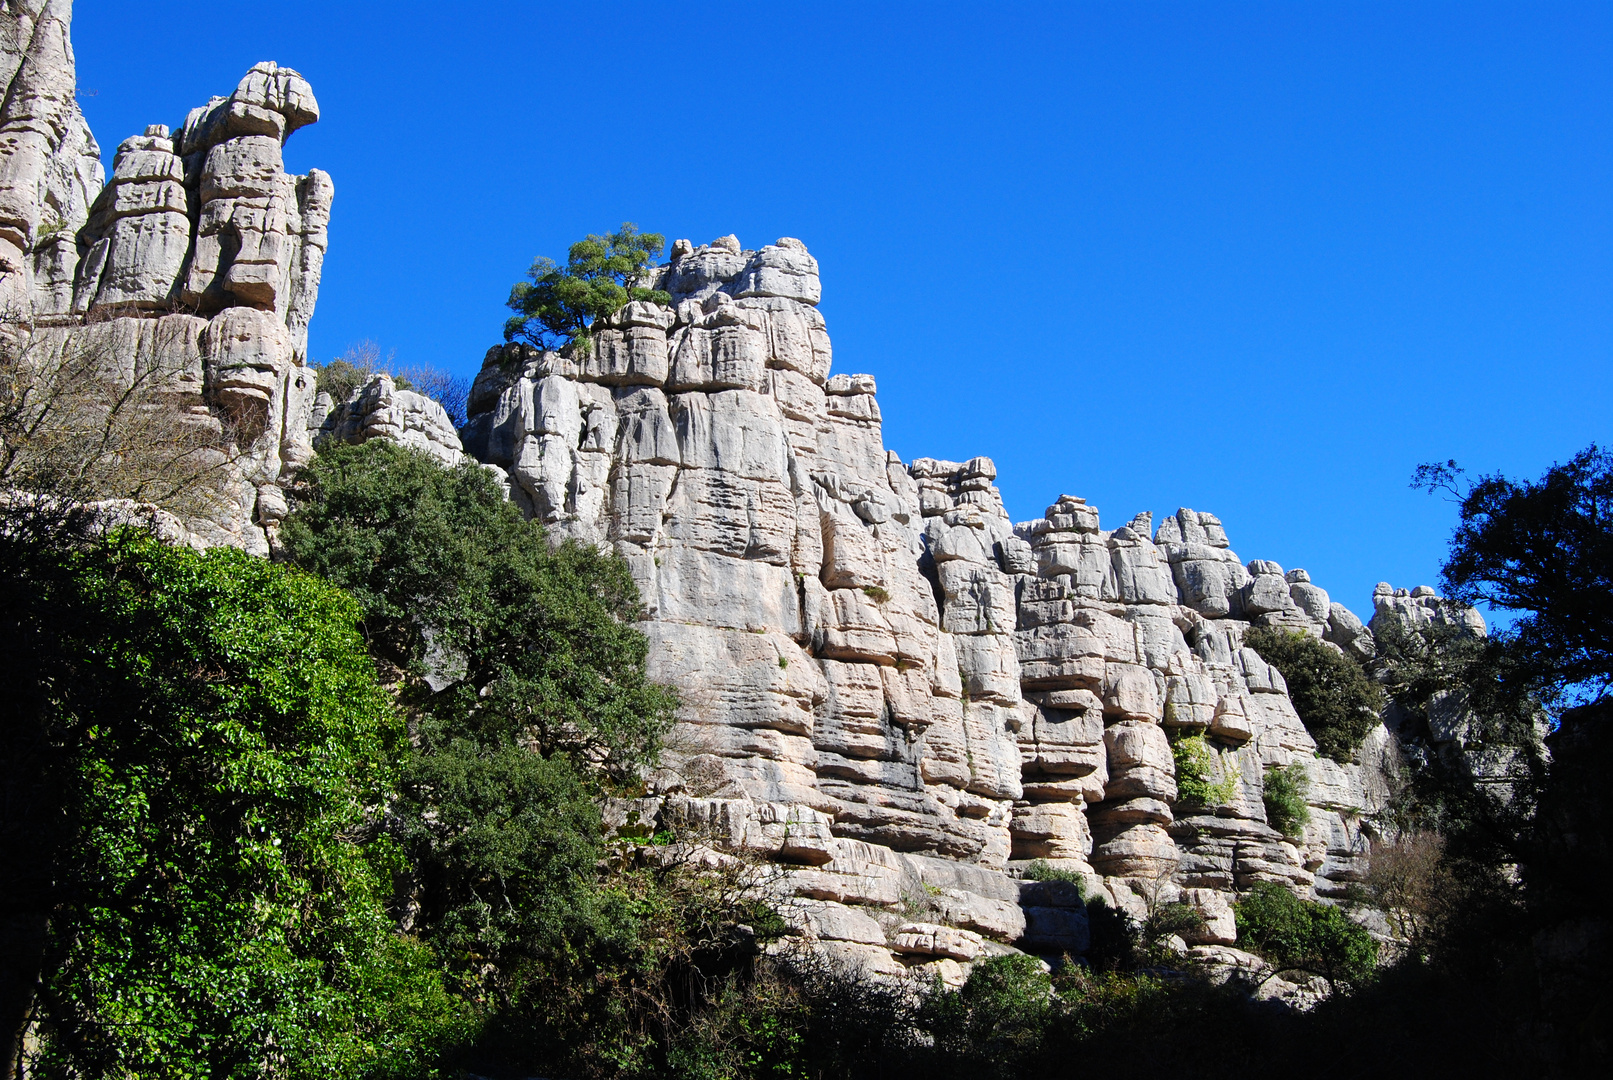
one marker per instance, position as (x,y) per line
(876,645)
(193,270)
(889,688)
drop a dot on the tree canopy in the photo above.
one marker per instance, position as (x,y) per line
(211,739)
(1544,548)
(524,680)
(560,305)
(507,636)
(1332,694)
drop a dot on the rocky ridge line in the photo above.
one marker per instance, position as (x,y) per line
(890,689)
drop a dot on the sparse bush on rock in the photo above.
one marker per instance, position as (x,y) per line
(1331,692)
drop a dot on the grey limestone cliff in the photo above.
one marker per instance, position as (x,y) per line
(890,689)
(199,258)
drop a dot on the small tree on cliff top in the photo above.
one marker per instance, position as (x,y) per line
(561,304)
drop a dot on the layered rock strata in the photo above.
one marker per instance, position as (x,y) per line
(193,269)
(891,691)
(879,645)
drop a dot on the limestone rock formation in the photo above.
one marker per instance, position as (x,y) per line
(379,410)
(199,260)
(879,644)
(891,691)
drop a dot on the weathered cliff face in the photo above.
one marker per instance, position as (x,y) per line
(890,688)
(879,644)
(199,260)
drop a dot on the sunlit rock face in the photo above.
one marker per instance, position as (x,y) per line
(199,258)
(877,642)
(889,688)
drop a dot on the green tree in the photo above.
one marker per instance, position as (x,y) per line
(1543,548)
(504,638)
(1336,701)
(210,734)
(561,305)
(524,680)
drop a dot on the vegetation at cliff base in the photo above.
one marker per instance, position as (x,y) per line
(1297,936)
(208,742)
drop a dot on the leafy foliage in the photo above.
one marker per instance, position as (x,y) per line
(1042,870)
(999,1016)
(1195,764)
(1283,791)
(217,741)
(1303,935)
(508,640)
(524,680)
(1544,548)
(1331,692)
(561,305)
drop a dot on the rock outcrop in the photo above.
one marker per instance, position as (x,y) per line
(196,265)
(951,693)
(890,690)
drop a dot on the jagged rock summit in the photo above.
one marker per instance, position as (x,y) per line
(199,258)
(890,689)
(874,652)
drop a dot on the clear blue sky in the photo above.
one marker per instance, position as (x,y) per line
(1257,259)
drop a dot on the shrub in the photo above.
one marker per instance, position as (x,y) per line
(1195,764)
(1116,938)
(524,682)
(1409,881)
(1283,792)
(1332,694)
(1042,870)
(1164,921)
(1303,935)
(562,304)
(998,1019)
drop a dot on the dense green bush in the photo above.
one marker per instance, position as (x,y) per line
(1303,935)
(1283,791)
(1000,1016)
(523,679)
(1331,692)
(1195,764)
(1042,870)
(217,744)
(505,637)
(561,304)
